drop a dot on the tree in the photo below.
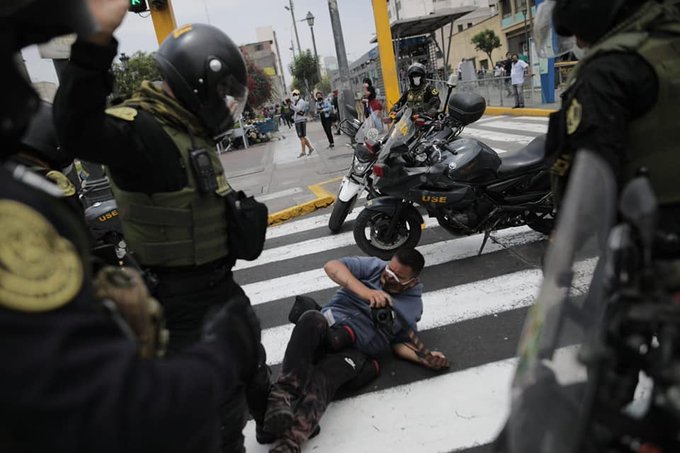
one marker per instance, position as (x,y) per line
(486,41)
(325,85)
(304,70)
(129,72)
(259,86)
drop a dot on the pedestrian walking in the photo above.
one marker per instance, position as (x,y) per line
(286,112)
(300,107)
(517,76)
(507,70)
(325,110)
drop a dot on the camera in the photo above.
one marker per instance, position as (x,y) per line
(383,317)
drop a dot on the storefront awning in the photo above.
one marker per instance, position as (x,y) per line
(424,25)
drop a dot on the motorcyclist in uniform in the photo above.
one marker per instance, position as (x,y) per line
(621,101)
(167,178)
(421,96)
(72,380)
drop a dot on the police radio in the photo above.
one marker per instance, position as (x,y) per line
(206,179)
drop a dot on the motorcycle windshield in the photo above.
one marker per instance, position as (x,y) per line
(552,387)
(401,134)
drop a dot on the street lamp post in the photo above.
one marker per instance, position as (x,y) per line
(526,9)
(310,21)
(292,15)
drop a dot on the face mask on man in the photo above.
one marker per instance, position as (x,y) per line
(416,81)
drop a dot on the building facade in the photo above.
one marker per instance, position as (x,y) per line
(262,55)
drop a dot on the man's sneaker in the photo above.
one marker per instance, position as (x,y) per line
(310,151)
(301,155)
(263,436)
(332,145)
(279,415)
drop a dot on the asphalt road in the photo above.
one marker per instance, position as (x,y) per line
(474,311)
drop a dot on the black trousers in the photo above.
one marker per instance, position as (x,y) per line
(187,295)
(326,123)
(313,374)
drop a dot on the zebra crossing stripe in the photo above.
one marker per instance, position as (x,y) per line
(306,224)
(438,253)
(483,134)
(447,412)
(444,413)
(519,126)
(457,303)
(307,248)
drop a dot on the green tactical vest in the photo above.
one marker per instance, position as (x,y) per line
(416,99)
(654,34)
(181,228)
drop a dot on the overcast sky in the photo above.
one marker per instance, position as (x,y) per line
(239,19)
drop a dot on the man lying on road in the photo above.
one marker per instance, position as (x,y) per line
(376,308)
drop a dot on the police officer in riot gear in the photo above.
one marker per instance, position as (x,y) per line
(421,96)
(167,178)
(72,378)
(621,102)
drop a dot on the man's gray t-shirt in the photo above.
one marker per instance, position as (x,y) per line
(300,111)
(346,308)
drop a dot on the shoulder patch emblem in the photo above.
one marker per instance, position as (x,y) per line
(39,269)
(62,182)
(435,91)
(123,113)
(574,115)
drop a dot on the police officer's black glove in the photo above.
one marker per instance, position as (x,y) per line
(236,328)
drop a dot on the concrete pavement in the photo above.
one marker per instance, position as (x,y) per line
(289,185)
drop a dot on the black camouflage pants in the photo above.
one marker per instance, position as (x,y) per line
(186,297)
(313,374)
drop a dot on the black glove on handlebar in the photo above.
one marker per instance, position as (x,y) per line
(236,328)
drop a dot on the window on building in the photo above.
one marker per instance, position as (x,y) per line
(469,24)
(258,47)
(506,9)
(460,27)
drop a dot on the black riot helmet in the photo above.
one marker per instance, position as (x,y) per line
(207,74)
(22,23)
(40,139)
(416,75)
(589,20)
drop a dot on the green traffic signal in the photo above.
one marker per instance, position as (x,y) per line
(138,6)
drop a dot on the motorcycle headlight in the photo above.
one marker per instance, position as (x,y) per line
(360,167)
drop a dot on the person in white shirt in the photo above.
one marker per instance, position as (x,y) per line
(517,76)
(300,107)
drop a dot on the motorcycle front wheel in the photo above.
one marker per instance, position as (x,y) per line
(341,210)
(371,228)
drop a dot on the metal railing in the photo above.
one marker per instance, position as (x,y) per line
(494,90)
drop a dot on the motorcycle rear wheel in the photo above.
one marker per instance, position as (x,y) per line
(370,228)
(341,210)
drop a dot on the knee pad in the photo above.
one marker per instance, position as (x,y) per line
(339,337)
(369,371)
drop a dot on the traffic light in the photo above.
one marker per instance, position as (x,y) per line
(138,6)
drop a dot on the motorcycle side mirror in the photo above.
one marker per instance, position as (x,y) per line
(639,206)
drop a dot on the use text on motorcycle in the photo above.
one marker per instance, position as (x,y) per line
(461,182)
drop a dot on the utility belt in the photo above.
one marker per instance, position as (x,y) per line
(221,264)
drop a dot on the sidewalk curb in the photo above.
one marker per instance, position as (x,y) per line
(518,112)
(323,199)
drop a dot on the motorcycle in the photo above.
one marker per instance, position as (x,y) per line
(600,350)
(461,182)
(366,142)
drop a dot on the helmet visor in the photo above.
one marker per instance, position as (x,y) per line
(548,43)
(235,95)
